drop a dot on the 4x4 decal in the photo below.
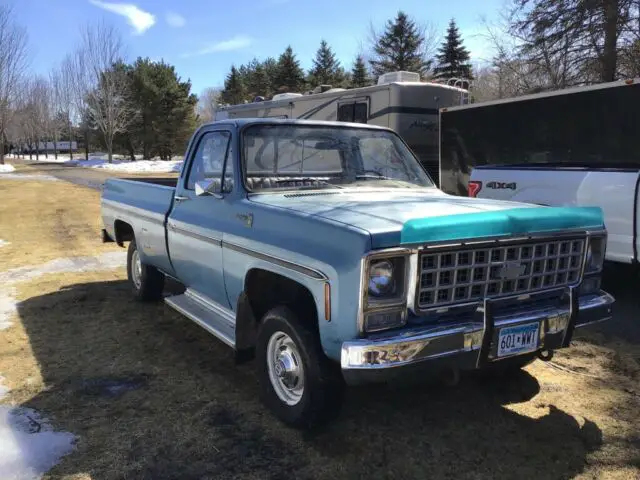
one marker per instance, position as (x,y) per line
(501,185)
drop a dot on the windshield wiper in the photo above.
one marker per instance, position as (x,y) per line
(324,183)
(368,176)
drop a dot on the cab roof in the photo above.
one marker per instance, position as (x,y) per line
(241,122)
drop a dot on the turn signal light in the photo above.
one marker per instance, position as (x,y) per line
(474,188)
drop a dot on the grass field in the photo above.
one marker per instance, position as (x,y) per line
(151,395)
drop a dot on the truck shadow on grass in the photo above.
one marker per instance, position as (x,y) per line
(152,395)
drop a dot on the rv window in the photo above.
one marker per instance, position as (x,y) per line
(353,112)
(360,114)
(345,112)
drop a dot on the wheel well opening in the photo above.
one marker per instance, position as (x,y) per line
(264,290)
(267,289)
(123,231)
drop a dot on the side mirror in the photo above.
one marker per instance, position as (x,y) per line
(208,186)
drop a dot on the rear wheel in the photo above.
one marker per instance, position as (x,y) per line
(298,383)
(147,281)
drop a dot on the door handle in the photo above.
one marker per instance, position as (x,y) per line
(180,198)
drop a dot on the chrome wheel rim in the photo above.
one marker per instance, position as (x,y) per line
(136,269)
(286,371)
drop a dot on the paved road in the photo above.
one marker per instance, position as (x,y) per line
(87,177)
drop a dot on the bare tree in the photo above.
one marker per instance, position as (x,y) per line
(103,83)
(13,61)
(57,107)
(208,104)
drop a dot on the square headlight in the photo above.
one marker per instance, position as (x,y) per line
(386,280)
(596,249)
(385,286)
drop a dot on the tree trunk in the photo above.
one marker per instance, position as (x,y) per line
(70,140)
(55,148)
(86,144)
(109,142)
(2,149)
(37,149)
(609,54)
(132,152)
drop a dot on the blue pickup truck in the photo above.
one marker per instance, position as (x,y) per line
(323,252)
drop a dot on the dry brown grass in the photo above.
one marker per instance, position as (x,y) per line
(192,413)
(48,220)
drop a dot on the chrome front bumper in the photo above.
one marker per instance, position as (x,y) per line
(472,344)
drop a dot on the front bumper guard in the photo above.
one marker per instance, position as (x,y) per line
(472,344)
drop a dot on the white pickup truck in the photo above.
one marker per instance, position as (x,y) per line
(614,190)
(571,147)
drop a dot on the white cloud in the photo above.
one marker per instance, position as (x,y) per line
(175,20)
(236,43)
(140,20)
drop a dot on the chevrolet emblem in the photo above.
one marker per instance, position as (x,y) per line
(511,271)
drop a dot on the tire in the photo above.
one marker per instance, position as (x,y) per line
(148,281)
(321,396)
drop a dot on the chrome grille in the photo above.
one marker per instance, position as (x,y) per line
(470,274)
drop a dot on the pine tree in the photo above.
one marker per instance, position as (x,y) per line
(326,68)
(400,47)
(270,65)
(234,90)
(165,110)
(258,83)
(359,74)
(289,77)
(453,57)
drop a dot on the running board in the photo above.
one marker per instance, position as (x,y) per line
(213,318)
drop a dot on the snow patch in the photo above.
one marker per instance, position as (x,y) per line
(140,166)
(119,163)
(8,308)
(3,389)
(105,261)
(6,168)
(29,447)
(27,176)
(8,305)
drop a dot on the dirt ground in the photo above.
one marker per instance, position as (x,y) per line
(152,396)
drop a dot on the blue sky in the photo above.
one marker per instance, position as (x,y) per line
(202,38)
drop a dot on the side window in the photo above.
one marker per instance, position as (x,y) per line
(208,160)
(227,186)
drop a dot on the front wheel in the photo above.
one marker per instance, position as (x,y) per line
(297,382)
(147,281)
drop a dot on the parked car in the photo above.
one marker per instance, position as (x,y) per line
(324,251)
(571,147)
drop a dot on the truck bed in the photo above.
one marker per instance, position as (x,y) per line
(143,203)
(165,181)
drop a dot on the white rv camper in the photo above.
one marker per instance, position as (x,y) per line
(399,101)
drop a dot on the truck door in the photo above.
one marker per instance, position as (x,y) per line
(194,230)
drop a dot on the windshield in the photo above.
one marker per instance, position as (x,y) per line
(296,157)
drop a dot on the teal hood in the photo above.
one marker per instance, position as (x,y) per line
(406,216)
